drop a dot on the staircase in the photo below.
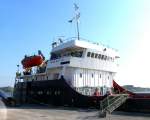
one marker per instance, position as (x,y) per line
(112,102)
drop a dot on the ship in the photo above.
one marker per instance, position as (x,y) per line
(78,73)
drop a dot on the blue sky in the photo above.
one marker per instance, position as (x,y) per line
(29,25)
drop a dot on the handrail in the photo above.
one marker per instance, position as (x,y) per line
(105,99)
(117,103)
(108,102)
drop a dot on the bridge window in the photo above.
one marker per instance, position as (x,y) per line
(105,57)
(99,56)
(55,56)
(88,54)
(96,55)
(102,57)
(92,55)
(76,54)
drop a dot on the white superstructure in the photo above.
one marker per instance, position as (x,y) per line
(83,64)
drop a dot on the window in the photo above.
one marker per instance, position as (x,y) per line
(96,55)
(100,76)
(88,54)
(99,56)
(102,57)
(55,56)
(80,75)
(92,75)
(73,54)
(92,55)
(79,54)
(105,57)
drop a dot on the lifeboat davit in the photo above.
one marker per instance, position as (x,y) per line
(31,61)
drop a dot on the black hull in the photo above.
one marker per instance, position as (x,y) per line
(53,92)
(136,105)
(59,93)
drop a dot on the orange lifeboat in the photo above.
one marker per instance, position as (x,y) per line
(31,61)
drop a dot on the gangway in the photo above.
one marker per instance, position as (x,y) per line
(111,102)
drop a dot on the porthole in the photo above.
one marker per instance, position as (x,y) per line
(80,75)
(92,75)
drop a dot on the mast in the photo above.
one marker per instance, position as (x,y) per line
(76,17)
(78,29)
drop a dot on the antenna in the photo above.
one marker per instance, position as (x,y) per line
(76,18)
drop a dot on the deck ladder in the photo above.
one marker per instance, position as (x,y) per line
(112,102)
